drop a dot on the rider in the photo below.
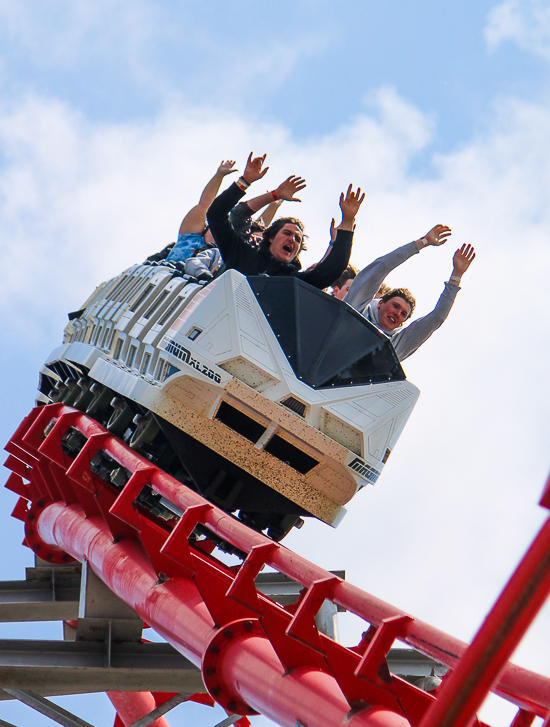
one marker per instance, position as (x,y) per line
(284,239)
(390,312)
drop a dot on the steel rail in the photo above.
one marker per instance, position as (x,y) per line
(468,684)
(196,593)
(177,612)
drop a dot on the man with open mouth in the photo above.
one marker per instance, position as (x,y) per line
(282,242)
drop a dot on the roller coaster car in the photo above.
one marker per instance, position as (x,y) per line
(270,398)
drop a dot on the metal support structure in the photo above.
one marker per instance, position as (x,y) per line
(57,668)
(102,616)
(131,707)
(160,711)
(3,723)
(75,666)
(255,655)
(48,594)
(285,591)
(47,708)
(228,721)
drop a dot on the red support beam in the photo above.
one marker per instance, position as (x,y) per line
(255,655)
(525,593)
(250,666)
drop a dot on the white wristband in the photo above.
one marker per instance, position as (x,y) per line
(455,279)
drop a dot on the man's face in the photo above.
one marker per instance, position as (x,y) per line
(392,313)
(286,243)
(341,293)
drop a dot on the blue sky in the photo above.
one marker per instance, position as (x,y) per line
(309,65)
(113,115)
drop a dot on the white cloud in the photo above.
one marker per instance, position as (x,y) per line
(455,508)
(70,187)
(523,22)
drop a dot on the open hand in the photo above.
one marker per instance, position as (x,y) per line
(227,167)
(288,188)
(350,203)
(462,259)
(253,169)
(438,235)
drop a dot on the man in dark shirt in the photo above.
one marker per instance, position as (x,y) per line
(283,240)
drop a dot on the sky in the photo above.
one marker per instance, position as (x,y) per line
(113,116)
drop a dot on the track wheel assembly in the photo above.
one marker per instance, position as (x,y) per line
(121,418)
(101,400)
(146,430)
(85,393)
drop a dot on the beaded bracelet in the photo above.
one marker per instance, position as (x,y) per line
(242,184)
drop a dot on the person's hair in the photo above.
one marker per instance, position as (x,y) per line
(404,293)
(349,274)
(270,232)
(257,226)
(383,290)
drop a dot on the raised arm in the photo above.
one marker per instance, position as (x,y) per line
(436,236)
(195,219)
(242,215)
(368,281)
(414,335)
(285,191)
(462,259)
(336,259)
(270,211)
(230,243)
(349,205)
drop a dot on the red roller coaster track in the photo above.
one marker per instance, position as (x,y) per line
(257,656)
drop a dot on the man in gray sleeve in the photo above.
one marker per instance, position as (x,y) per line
(390,312)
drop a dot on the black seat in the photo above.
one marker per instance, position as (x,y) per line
(327,342)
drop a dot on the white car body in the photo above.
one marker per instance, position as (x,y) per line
(182,351)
